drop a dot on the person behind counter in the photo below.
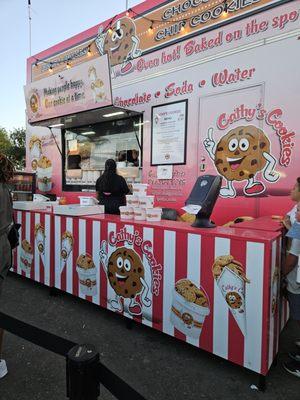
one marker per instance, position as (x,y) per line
(290,274)
(6,221)
(111,188)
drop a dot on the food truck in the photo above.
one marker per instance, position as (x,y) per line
(172,90)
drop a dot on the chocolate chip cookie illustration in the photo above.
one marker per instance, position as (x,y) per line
(26,256)
(241,154)
(120,43)
(190,307)
(126,275)
(39,234)
(87,275)
(230,277)
(97,85)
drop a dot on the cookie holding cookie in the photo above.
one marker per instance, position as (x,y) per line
(239,156)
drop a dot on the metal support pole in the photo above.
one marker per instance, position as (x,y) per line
(82,369)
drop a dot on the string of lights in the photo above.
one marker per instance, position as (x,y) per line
(130,13)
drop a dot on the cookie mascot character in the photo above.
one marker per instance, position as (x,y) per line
(126,275)
(120,43)
(239,156)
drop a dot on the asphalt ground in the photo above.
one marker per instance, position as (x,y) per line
(156,365)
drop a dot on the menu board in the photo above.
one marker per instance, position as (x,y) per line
(169,127)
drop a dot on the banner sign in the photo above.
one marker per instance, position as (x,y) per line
(81,88)
(134,35)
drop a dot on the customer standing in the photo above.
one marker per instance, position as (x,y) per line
(111,188)
(290,273)
(6,221)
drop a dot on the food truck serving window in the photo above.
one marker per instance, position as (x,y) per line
(86,148)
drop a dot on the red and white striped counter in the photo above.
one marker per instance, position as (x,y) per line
(161,274)
(34,257)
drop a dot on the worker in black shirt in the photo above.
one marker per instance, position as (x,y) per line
(111,188)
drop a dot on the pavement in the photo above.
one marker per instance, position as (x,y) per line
(156,365)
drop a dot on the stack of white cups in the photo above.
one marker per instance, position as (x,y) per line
(140,206)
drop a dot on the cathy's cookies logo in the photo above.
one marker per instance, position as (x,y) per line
(245,151)
(130,278)
(120,43)
(240,155)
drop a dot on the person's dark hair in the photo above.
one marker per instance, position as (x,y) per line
(6,169)
(109,171)
(298,182)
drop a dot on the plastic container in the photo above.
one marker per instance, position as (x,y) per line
(139,214)
(126,212)
(153,214)
(146,201)
(132,201)
(139,189)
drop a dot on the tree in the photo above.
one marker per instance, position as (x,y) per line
(4,141)
(17,149)
(13,145)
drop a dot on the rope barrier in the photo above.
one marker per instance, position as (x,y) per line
(84,370)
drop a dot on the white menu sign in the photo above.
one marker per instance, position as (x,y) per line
(169,124)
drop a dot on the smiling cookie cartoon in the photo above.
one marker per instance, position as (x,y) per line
(120,43)
(239,156)
(126,275)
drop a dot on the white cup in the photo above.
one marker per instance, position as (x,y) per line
(139,189)
(139,214)
(146,201)
(153,214)
(126,212)
(132,201)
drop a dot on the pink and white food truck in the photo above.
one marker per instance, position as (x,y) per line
(172,90)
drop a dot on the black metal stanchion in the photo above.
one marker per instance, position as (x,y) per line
(261,383)
(82,367)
